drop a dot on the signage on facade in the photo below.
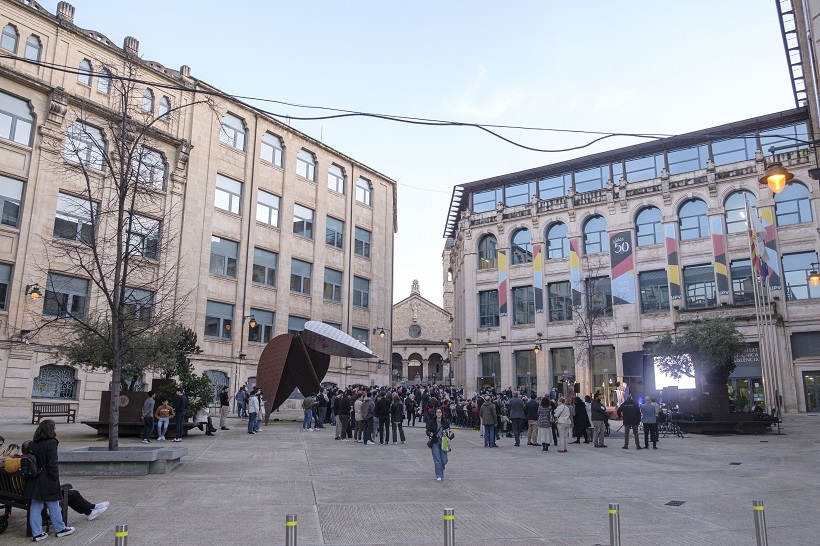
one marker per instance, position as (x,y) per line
(623,267)
(502,283)
(575,270)
(538,278)
(672,269)
(719,250)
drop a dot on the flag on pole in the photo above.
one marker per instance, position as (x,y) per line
(757,243)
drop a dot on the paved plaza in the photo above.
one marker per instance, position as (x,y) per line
(236,489)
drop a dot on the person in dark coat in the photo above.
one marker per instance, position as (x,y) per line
(581,421)
(517,416)
(631,414)
(44,489)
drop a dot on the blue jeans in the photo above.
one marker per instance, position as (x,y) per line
(251,421)
(162,426)
(36,519)
(240,409)
(368,430)
(489,435)
(439,459)
(307,419)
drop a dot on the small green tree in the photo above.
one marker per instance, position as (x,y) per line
(707,348)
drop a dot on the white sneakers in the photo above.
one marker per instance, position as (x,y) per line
(146,441)
(438,479)
(161,439)
(310,429)
(99,508)
(65,532)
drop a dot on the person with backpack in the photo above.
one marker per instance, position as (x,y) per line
(43,489)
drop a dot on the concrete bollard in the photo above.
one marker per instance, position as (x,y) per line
(449,527)
(121,535)
(290,530)
(760,523)
(614,524)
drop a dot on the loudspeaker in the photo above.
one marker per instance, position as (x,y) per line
(577,388)
(670,395)
(560,387)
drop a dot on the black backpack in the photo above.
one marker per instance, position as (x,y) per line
(29,466)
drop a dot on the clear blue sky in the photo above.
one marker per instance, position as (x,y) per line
(638,66)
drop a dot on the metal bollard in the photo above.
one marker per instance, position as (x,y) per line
(290,530)
(614,524)
(121,535)
(760,523)
(449,527)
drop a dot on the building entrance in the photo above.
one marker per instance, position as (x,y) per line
(811,384)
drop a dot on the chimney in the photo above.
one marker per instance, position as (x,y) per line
(131,45)
(65,12)
(185,70)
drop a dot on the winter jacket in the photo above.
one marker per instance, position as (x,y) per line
(357,410)
(598,411)
(307,403)
(432,428)
(382,408)
(517,408)
(397,411)
(344,406)
(253,404)
(368,408)
(531,409)
(631,413)
(46,486)
(544,417)
(488,413)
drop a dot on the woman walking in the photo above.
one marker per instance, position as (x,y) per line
(436,429)
(544,423)
(563,418)
(44,489)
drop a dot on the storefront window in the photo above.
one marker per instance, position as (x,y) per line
(605,374)
(526,377)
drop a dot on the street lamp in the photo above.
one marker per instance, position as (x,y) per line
(33,290)
(537,347)
(814,275)
(777,177)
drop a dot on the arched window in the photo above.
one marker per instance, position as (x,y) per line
(306,165)
(164,108)
(232,132)
(16,119)
(735,206)
(792,205)
(336,179)
(272,149)
(595,235)
(692,220)
(487,252)
(218,380)
(85,144)
(557,242)
(364,192)
(522,247)
(33,48)
(648,226)
(104,81)
(84,76)
(55,382)
(9,39)
(148,101)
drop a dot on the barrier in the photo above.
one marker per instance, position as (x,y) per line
(449,527)
(290,530)
(760,523)
(614,524)
(121,535)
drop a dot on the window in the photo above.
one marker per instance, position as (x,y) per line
(336,179)
(300,276)
(361,246)
(487,253)
(149,166)
(264,267)
(692,220)
(648,226)
(33,48)
(361,334)
(796,269)
(164,110)
(11,195)
(104,81)
(75,219)
(143,237)
(335,232)
(9,38)
(742,288)
(688,159)
(557,242)
(302,221)
(271,150)
(223,257)
(296,324)
(735,206)
(364,192)
(267,208)
(521,247)
(16,120)
(218,320)
(792,205)
(228,194)
(84,73)
(519,194)
(333,285)
(65,296)
(483,201)
(734,149)
(138,304)
(699,285)
(488,309)
(523,299)
(599,297)
(489,367)
(785,136)
(361,292)
(5,283)
(563,364)
(334,324)
(554,186)
(595,235)
(654,291)
(232,132)
(591,179)
(148,101)
(84,144)
(306,165)
(644,168)
(559,300)
(263,331)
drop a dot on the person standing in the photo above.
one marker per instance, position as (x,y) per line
(383,414)
(224,408)
(397,416)
(631,414)
(517,416)
(44,489)
(163,415)
(563,418)
(148,417)
(180,409)
(649,417)
(368,409)
(253,411)
(599,418)
(488,415)
(580,422)
(531,410)
(307,407)
(241,402)
(437,428)
(342,416)
(357,416)
(544,423)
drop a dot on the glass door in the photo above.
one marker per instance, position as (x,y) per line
(811,383)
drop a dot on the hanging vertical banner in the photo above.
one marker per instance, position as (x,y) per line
(672,267)
(770,257)
(623,267)
(575,270)
(719,250)
(502,283)
(538,278)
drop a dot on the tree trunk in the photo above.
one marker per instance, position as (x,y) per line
(114,408)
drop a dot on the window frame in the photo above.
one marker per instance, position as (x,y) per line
(148,101)
(657,235)
(802,209)
(223,264)
(164,108)
(8,198)
(71,298)
(332,290)
(268,205)
(230,135)
(6,276)
(523,309)
(277,149)
(263,331)
(561,252)
(104,81)
(30,46)
(302,222)
(334,237)
(599,303)
(306,165)
(361,292)
(67,206)
(484,263)
(224,322)
(267,272)
(602,243)
(741,278)
(361,247)
(731,224)
(148,235)
(522,252)
(654,297)
(336,181)
(800,274)
(702,218)
(559,303)
(85,73)
(150,168)
(139,304)
(82,146)
(488,313)
(303,281)
(694,289)
(364,192)
(19,115)
(5,35)
(223,185)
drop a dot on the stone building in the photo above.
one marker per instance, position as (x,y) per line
(262,226)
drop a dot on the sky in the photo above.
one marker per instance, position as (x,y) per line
(640,66)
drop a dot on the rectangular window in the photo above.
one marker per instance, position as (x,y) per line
(264,267)
(5,283)
(218,320)
(65,296)
(74,220)
(654,291)
(699,285)
(488,309)
(644,168)
(490,365)
(11,196)
(143,237)
(333,285)
(138,304)
(788,135)
(303,221)
(734,149)
(336,179)
(688,159)
(361,292)
(554,186)
(563,362)
(796,269)
(362,243)
(262,331)
(599,297)
(223,257)
(559,296)
(296,324)
(15,120)
(267,208)
(487,200)
(591,179)
(523,305)
(361,334)
(742,289)
(519,194)
(335,325)
(149,168)
(228,195)
(300,273)
(335,232)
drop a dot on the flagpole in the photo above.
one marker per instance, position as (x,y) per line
(774,353)
(756,275)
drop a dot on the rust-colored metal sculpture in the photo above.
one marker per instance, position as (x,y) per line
(301,361)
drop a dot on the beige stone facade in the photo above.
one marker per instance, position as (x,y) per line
(354,214)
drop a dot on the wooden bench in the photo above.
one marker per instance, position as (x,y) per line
(12,485)
(50,409)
